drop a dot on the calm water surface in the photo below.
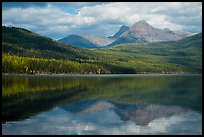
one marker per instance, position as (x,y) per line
(102,104)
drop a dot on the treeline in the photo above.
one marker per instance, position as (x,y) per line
(25,65)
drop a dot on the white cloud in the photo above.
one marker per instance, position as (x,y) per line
(104,19)
(46,20)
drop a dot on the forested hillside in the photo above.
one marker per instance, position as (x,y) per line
(21,42)
(26,52)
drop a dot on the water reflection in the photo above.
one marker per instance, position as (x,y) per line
(102,105)
(104,117)
(140,114)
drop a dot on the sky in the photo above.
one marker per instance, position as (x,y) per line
(61,19)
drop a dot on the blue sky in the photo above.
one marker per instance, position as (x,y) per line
(60,19)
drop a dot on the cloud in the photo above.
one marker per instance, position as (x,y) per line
(60,19)
(46,20)
(189,15)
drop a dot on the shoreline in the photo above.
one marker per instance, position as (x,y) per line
(78,74)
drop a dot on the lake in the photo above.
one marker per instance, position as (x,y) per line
(102,104)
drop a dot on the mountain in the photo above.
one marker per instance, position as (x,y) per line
(141,32)
(78,41)
(120,32)
(86,40)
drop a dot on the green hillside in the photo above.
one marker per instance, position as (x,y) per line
(27,52)
(21,42)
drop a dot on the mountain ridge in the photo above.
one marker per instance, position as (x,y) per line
(86,40)
(146,31)
(139,32)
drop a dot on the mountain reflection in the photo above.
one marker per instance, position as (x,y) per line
(106,117)
(140,114)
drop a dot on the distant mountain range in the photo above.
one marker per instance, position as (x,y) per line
(87,41)
(140,32)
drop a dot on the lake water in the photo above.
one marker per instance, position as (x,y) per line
(102,104)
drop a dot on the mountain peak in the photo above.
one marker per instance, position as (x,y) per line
(122,29)
(142,22)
